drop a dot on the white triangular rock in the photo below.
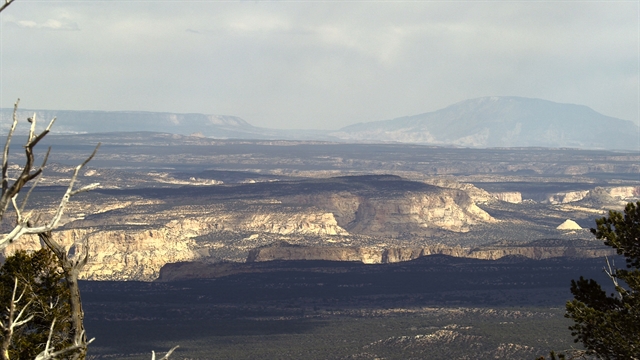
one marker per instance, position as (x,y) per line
(569,225)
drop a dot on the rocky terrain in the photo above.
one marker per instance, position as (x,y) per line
(371,219)
(167,199)
(133,239)
(293,247)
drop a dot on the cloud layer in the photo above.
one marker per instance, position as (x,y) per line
(317,64)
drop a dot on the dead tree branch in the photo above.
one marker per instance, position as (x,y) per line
(10,192)
(13,321)
(71,269)
(49,354)
(166,356)
(28,173)
(6,3)
(611,273)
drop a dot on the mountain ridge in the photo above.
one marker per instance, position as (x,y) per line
(205,125)
(486,122)
(502,121)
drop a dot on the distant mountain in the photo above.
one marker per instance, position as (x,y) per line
(503,122)
(216,126)
(482,122)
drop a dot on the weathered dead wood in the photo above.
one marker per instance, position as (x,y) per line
(6,3)
(13,321)
(611,273)
(166,356)
(24,223)
(24,226)
(49,354)
(71,269)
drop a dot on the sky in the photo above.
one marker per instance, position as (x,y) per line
(317,64)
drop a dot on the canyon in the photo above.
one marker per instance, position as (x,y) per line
(370,219)
(167,199)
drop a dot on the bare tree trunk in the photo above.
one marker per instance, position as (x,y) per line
(71,269)
(77,314)
(13,320)
(6,343)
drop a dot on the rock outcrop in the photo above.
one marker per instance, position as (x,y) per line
(298,223)
(567,197)
(598,195)
(132,239)
(625,192)
(569,225)
(128,253)
(477,195)
(394,214)
(513,197)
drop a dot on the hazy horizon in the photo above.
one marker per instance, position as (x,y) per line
(316,65)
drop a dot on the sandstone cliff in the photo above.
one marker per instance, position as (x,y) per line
(286,257)
(364,255)
(396,254)
(625,192)
(408,212)
(597,196)
(133,238)
(513,197)
(476,194)
(567,197)
(123,254)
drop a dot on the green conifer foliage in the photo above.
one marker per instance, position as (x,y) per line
(37,272)
(609,325)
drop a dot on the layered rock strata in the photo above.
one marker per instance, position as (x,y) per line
(392,255)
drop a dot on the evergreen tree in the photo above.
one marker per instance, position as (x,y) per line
(47,297)
(609,325)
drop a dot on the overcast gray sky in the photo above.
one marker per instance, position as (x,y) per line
(317,64)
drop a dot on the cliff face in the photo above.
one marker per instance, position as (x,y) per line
(393,255)
(364,255)
(316,223)
(539,253)
(126,254)
(477,195)
(513,197)
(450,210)
(125,245)
(408,212)
(567,197)
(371,219)
(599,194)
(625,192)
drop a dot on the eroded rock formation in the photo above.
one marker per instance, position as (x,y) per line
(513,197)
(408,212)
(370,219)
(125,254)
